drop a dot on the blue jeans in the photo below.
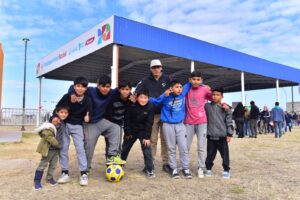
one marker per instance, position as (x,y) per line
(278,129)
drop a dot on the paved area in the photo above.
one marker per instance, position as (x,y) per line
(10,136)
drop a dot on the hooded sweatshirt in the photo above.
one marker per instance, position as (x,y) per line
(173,107)
(220,123)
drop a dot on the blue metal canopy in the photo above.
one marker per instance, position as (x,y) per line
(90,55)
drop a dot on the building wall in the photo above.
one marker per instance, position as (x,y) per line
(296,106)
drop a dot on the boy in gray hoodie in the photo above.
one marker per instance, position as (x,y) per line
(219,133)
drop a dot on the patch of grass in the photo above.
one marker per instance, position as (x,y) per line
(237,189)
(252,155)
(27,135)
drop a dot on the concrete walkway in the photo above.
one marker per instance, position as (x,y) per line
(10,136)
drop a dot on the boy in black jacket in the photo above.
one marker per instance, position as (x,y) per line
(116,109)
(138,125)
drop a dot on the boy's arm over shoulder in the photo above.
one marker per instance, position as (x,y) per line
(63,101)
(186,88)
(208,95)
(157,101)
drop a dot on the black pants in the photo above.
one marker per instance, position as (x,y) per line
(240,128)
(127,145)
(213,146)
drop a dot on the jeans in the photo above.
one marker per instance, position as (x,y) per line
(278,129)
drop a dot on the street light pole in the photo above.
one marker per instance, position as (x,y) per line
(26,40)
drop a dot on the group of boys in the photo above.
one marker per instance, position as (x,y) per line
(89,112)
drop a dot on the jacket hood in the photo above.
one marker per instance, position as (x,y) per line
(45,126)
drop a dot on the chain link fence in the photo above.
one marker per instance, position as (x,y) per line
(14,116)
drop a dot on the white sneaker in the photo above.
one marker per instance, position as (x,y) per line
(84,180)
(200,173)
(64,178)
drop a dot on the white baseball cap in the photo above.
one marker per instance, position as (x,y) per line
(155,62)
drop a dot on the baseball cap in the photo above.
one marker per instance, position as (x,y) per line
(155,62)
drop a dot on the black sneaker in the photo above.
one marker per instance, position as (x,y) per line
(187,174)
(166,168)
(150,174)
(175,174)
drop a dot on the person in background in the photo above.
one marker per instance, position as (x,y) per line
(288,121)
(254,116)
(265,116)
(247,131)
(277,117)
(238,116)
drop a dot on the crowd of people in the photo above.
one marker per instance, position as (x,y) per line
(251,120)
(158,108)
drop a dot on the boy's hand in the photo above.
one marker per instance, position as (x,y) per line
(132,98)
(167,92)
(208,87)
(228,139)
(128,137)
(55,121)
(87,118)
(73,98)
(225,106)
(146,142)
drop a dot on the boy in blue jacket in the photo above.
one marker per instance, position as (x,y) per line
(172,116)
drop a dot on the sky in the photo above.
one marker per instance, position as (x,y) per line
(269,29)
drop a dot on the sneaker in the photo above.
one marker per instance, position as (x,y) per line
(226,175)
(200,173)
(208,173)
(52,182)
(64,178)
(115,160)
(37,185)
(175,174)
(84,180)
(187,174)
(166,168)
(150,174)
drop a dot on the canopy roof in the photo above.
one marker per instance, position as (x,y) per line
(90,55)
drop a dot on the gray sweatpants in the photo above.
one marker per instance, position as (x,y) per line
(76,132)
(176,134)
(92,132)
(200,130)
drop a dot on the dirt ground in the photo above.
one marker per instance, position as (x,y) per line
(262,168)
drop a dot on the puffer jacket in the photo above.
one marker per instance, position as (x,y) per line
(47,132)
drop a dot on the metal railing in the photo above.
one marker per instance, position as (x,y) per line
(14,116)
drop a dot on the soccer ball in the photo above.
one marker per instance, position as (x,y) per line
(114,173)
